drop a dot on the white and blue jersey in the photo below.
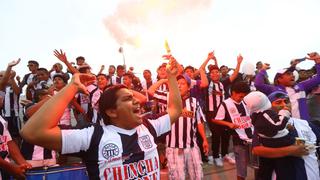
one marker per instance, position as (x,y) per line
(311,134)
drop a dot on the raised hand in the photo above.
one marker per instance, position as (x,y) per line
(265,66)
(18,78)
(211,56)
(172,66)
(13,63)
(60,55)
(12,75)
(314,56)
(239,59)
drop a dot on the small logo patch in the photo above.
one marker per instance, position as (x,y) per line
(233,110)
(145,141)
(110,150)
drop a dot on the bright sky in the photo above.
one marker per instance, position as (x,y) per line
(273,31)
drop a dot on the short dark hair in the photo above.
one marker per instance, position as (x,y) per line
(62,76)
(240,87)
(147,70)
(213,67)
(108,100)
(33,62)
(128,75)
(43,70)
(80,58)
(223,66)
(120,67)
(189,67)
(161,66)
(38,93)
(104,75)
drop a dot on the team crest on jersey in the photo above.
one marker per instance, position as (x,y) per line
(145,141)
(110,150)
(233,110)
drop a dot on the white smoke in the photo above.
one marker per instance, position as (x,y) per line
(131,16)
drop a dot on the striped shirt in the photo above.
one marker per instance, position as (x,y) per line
(95,96)
(10,103)
(216,94)
(161,98)
(116,80)
(183,131)
(83,99)
(111,152)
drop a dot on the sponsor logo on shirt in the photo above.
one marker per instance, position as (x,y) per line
(3,143)
(110,150)
(244,122)
(144,169)
(145,141)
(187,114)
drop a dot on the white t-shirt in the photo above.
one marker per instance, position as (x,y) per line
(126,154)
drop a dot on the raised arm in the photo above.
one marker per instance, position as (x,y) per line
(7,74)
(41,129)
(309,84)
(101,69)
(34,108)
(235,73)
(260,83)
(206,61)
(152,89)
(16,89)
(142,98)
(63,58)
(204,79)
(174,102)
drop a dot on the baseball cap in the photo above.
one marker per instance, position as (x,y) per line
(276,95)
(184,76)
(283,71)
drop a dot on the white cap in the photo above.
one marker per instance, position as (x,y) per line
(256,101)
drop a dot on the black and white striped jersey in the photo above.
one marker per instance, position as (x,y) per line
(10,103)
(215,95)
(111,152)
(183,131)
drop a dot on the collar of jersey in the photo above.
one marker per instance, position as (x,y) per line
(123,131)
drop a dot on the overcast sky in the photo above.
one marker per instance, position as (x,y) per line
(273,31)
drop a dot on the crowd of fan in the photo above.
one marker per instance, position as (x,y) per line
(265,120)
